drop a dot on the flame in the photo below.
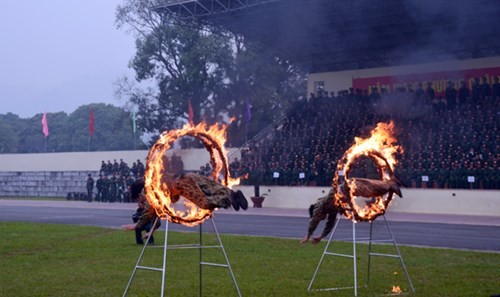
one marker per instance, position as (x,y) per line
(381,140)
(396,289)
(156,187)
(381,147)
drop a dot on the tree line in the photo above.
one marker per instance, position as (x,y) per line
(113,130)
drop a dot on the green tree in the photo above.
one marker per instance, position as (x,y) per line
(268,84)
(31,138)
(186,63)
(70,133)
(215,69)
(112,129)
(60,137)
(9,139)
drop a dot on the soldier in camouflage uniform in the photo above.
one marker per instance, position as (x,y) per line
(113,189)
(363,187)
(120,195)
(100,186)
(90,187)
(105,189)
(204,192)
(145,216)
(322,209)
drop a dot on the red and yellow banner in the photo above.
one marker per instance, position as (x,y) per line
(439,80)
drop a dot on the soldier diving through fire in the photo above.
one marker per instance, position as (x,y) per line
(202,191)
(325,208)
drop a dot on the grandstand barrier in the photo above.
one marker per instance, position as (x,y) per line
(43,183)
(91,161)
(424,201)
(56,174)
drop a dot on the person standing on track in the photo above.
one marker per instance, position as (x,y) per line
(90,187)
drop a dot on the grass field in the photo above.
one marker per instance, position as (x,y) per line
(61,260)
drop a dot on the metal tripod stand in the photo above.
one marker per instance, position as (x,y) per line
(199,246)
(353,256)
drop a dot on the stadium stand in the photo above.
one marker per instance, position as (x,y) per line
(450,145)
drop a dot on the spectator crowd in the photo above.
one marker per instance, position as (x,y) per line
(116,178)
(449,140)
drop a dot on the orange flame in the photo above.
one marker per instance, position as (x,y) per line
(381,147)
(381,140)
(396,289)
(156,187)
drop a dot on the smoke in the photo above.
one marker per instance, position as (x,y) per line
(401,105)
(449,30)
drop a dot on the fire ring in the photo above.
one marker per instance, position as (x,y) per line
(156,189)
(380,148)
(346,200)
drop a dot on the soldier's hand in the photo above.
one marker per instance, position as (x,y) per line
(316,240)
(128,227)
(146,235)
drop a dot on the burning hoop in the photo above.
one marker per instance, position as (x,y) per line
(156,188)
(381,148)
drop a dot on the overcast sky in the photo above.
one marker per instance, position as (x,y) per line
(57,55)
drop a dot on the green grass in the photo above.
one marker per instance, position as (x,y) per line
(61,260)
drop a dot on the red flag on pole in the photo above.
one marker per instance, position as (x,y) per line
(45,126)
(190,113)
(91,124)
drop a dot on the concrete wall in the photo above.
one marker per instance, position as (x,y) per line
(43,183)
(56,174)
(342,80)
(427,201)
(91,161)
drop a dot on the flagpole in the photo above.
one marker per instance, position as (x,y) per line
(91,127)
(248,115)
(45,129)
(134,125)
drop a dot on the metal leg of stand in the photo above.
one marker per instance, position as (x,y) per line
(369,254)
(325,252)
(354,259)
(201,259)
(164,272)
(353,256)
(399,256)
(137,265)
(225,257)
(164,268)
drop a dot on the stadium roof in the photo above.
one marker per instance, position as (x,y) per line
(332,35)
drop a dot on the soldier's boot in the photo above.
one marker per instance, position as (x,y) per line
(242,200)
(235,200)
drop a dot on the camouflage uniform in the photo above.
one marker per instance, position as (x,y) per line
(120,195)
(146,213)
(113,189)
(105,189)
(146,219)
(319,211)
(90,188)
(100,186)
(201,190)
